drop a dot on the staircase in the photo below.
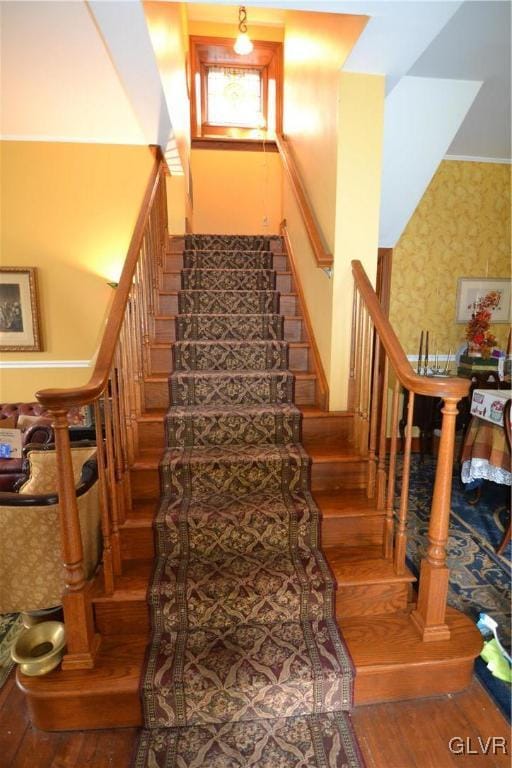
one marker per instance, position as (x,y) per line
(373,602)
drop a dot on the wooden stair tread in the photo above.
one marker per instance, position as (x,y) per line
(118,667)
(350,568)
(351,502)
(170,344)
(379,641)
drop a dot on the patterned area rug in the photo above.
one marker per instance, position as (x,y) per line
(10,627)
(246,666)
(480,579)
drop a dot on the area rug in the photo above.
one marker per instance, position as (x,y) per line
(10,627)
(246,666)
(480,580)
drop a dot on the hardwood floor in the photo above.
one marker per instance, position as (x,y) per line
(409,734)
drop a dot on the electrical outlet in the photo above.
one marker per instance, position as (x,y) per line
(265,221)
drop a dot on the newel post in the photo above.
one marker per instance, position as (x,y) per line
(430,612)
(81,640)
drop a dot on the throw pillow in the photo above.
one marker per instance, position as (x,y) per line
(43,469)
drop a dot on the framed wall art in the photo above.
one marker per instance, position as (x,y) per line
(471,289)
(19,311)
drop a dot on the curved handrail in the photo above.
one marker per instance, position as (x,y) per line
(455,388)
(67,398)
(323,257)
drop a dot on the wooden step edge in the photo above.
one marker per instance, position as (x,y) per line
(285,272)
(149,417)
(355,580)
(170,344)
(285,317)
(336,457)
(165,292)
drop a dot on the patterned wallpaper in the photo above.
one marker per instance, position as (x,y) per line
(461,228)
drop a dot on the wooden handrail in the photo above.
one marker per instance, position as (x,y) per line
(455,388)
(67,398)
(323,258)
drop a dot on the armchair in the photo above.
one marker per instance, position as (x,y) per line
(31,572)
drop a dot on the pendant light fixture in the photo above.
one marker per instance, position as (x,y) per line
(243,44)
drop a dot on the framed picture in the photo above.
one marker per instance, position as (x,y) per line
(82,417)
(19,312)
(470,289)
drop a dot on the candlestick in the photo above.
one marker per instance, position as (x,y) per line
(420,354)
(447,364)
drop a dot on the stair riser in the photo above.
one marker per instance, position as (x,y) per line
(132,616)
(168,304)
(138,543)
(122,617)
(436,679)
(145,482)
(238,356)
(334,475)
(171,281)
(337,427)
(352,531)
(173,262)
(165,329)
(151,433)
(160,360)
(111,709)
(371,599)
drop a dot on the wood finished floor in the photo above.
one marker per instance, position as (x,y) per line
(413,734)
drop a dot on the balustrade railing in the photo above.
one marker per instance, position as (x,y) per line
(115,391)
(378,363)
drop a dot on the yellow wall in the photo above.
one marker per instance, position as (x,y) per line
(461,228)
(69,210)
(256,32)
(316,45)
(334,122)
(233,191)
(360,133)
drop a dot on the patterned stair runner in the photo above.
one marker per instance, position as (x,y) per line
(245,667)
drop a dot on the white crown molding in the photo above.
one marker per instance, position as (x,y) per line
(473,159)
(74,140)
(45,364)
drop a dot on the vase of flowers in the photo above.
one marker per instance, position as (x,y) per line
(480,339)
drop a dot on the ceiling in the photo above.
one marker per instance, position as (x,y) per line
(422,38)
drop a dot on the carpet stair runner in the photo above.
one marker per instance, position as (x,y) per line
(245,665)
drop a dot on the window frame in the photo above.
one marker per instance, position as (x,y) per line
(206,124)
(208,52)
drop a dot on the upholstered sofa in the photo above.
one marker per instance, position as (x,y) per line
(35,425)
(31,572)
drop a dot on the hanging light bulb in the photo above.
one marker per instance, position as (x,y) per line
(243,43)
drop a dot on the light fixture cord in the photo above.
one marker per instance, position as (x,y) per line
(242,19)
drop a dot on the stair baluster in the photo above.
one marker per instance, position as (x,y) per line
(429,615)
(390,497)
(400,538)
(381,468)
(116,383)
(108,565)
(374,421)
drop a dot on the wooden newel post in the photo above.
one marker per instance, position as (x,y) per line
(430,612)
(81,640)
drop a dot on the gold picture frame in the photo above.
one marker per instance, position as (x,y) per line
(19,310)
